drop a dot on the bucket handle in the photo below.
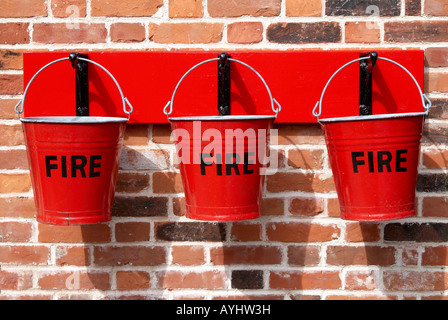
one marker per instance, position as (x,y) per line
(423,96)
(273,101)
(123,98)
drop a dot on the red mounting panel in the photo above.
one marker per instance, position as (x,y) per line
(295,78)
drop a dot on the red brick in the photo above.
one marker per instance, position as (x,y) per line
(296,181)
(413,7)
(188,255)
(16,182)
(129,255)
(362,232)
(361,297)
(361,280)
(127,32)
(13,159)
(414,281)
(362,32)
(245,32)
(299,8)
(125,8)
(185,9)
(11,135)
(368,255)
(436,57)
(436,82)
(191,280)
(306,158)
(167,182)
(242,231)
(189,33)
(16,280)
(256,8)
(67,33)
(93,233)
(306,207)
(436,7)
(17,207)
(68,8)
(69,280)
(133,280)
(14,33)
(298,280)
(132,182)
(435,256)
(303,255)
(23,8)
(72,256)
(15,231)
(435,158)
(132,231)
(333,208)
(34,255)
(409,256)
(231,255)
(272,207)
(435,207)
(11,60)
(301,232)
(416,31)
(161,133)
(11,84)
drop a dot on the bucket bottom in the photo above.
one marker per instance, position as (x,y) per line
(73,218)
(222,214)
(375,214)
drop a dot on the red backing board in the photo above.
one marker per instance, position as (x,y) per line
(295,78)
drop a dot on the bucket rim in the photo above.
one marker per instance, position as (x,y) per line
(375,117)
(221,118)
(73,120)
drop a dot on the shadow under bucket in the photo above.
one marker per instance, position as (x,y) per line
(222,160)
(73,164)
(374,160)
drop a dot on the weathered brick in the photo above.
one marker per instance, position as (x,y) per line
(140,206)
(188,255)
(301,232)
(190,33)
(132,231)
(364,255)
(439,109)
(17,207)
(245,32)
(66,33)
(416,31)
(129,255)
(14,33)
(436,57)
(295,181)
(306,207)
(15,182)
(11,60)
(133,280)
(298,8)
(304,32)
(303,255)
(185,9)
(435,133)
(414,281)
(16,280)
(23,8)
(68,280)
(190,231)
(68,8)
(435,207)
(256,8)
(302,280)
(173,279)
(11,84)
(361,280)
(93,233)
(362,232)
(436,182)
(417,232)
(247,279)
(435,256)
(436,7)
(413,7)
(125,8)
(362,7)
(259,255)
(72,255)
(132,182)
(13,159)
(15,231)
(167,182)
(25,255)
(362,32)
(436,82)
(435,158)
(306,158)
(127,32)
(143,159)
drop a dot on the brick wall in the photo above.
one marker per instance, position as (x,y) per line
(299,248)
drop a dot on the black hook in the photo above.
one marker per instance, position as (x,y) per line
(224,84)
(365,83)
(82,83)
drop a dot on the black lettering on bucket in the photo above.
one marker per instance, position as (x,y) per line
(232,161)
(384,160)
(76,164)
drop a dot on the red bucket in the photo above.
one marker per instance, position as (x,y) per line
(222,160)
(73,163)
(374,160)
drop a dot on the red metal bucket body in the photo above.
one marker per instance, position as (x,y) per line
(74,168)
(374,164)
(223,179)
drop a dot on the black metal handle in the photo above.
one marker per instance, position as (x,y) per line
(365,83)
(224,84)
(82,83)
